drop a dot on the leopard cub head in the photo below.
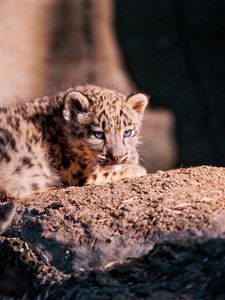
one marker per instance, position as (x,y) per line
(103,125)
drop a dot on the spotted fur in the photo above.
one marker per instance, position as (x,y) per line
(84,135)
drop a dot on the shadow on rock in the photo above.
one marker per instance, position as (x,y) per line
(48,249)
(185,270)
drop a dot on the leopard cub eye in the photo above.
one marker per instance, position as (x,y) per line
(99,134)
(127,133)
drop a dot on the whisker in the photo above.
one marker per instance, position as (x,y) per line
(143,150)
(146,163)
(91,165)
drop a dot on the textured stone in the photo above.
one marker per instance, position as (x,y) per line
(72,230)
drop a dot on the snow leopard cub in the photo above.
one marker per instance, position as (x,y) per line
(84,135)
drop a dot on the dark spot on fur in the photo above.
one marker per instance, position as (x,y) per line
(3,196)
(26,161)
(83,165)
(7,138)
(80,135)
(2,141)
(81,182)
(65,163)
(40,165)
(106,174)
(94,176)
(35,187)
(4,156)
(77,175)
(18,169)
(79,147)
(9,119)
(3,109)
(36,139)
(28,147)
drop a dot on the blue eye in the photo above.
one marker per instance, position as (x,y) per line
(99,134)
(127,133)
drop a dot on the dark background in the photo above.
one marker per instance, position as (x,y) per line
(175,50)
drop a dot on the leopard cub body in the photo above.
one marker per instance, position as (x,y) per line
(84,135)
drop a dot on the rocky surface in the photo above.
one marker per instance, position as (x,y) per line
(156,237)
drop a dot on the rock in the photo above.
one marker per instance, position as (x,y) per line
(158,149)
(112,239)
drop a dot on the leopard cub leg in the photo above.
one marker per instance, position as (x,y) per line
(115,172)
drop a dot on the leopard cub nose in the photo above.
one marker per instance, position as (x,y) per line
(116,157)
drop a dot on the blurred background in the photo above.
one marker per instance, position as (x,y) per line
(174,50)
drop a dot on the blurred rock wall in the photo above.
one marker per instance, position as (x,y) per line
(49,43)
(25,30)
(175,50)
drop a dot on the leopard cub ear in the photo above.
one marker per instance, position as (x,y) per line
(138,102)
(74,102)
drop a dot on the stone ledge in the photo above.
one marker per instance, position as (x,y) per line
(72,230)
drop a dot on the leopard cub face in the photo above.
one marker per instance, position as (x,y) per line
(103,125)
